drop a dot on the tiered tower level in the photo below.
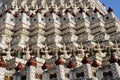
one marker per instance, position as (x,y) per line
(58,40)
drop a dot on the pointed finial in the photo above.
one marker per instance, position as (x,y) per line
(81,10)
(31,62)
(19,67)
(39,11)
(96,63)
(59,61)
(8,11)
(46,66)
(110,9)
(72,64)
(32,15)
(86,59)
(113,58)
(96,10)
(2,63)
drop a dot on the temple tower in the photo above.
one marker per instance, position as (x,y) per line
(67,28)
(112,25)
(53,38)
(7,22)
(21,33)
(37,35)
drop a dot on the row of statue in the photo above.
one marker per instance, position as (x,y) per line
(47,53)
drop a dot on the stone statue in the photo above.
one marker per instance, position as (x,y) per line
(99,51)
(82,51)
(27,52)
(8,52)
(46,51)
(64,51)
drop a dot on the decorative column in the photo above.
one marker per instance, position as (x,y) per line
(115,68)
(60,69)
(17,75)
(45,75)
(30,69)
(87,67)
(2,68)
(71,65)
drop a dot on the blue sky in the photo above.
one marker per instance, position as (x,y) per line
(114,4)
